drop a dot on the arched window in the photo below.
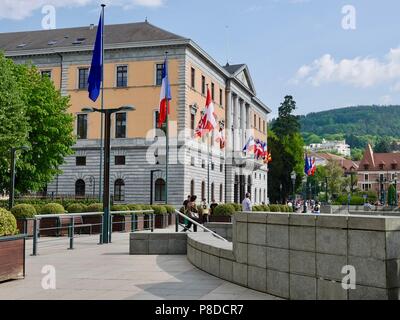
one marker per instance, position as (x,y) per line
(192,188)
(160,190)
(212,192)
(203,190)
(119,190)
(221,193)
(80,188)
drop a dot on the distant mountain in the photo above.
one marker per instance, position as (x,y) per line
(358,125)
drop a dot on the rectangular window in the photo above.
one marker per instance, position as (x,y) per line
(366,177)
(120,125)
(80,161)
(122,76)
(259,123)
(193,78)
(264,126)
(213,91)
(192,120)
(255,121)
(159,70)
(192,162)
(46,73)
(221,167)
(220,97)
(81,127)
(203,85)
(119,160)
(83,74)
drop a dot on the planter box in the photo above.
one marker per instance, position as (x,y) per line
(12,258)
(50,225)
(171,219)
(25,226)
(96,220)
(225,219)
(161,221)
(147,222)
(121,223)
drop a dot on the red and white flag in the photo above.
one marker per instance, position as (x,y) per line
(207,122)
(221,138)
(165,95)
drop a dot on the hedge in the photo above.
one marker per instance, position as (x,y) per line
(134,207)
(224,210)
(159,209)
(76,208)
(8,223)
(119,207)
(170,209)
(23,211)
(95,207)
(52,208)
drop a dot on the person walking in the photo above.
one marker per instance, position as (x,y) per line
(206,211)
(246,203)
(193,213)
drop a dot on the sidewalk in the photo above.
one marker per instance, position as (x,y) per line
(103,272)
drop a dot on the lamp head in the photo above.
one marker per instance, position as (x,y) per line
(88,110)
(127,108)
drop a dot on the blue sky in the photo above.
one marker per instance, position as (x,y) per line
(296,47)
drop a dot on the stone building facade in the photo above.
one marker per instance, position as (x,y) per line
(134,54)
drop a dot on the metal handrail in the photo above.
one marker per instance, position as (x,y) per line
(200,225)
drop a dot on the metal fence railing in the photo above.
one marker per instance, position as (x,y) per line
(48,227)
(197,224)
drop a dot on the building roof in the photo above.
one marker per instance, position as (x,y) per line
(374,161)
(232,69)
(347,165)
(83,36)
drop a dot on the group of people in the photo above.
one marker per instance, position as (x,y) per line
(193,211)
(311,206)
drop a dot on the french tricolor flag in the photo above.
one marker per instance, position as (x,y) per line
(165,95)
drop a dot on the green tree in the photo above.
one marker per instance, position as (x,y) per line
(392,195)
(384,145)
(286,145)
(46,127)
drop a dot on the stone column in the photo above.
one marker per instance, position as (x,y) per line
(242,123)
(229,177)
(235,122)
(247,132)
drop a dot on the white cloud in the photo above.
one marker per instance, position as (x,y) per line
(358,72)
(386,100)
(20,9)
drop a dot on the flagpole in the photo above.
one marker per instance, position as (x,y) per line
(208,164)
(102,102)
(166,130)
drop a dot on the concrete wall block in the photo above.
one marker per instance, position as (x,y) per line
(241,252)
(393,273)
(241,232)
(139,236)
(278,218)
(139,247)
(226,269)
(369,272)
(214,266)
(240,273)
(330,290)
(257,278)
(177,247)
(197,258)
(302,238)
(278,283)
(278,259)
(159,236)
(303,287)
(394,294)
(332,241)
(392,223)
(205,262)
(330,221)
(278,236)
(158,247)
(392,245)
(190,254)
(241,217)
(257,233)
(302,263)
(368,244)
(368,293)
(329,267)
(367,223)
(227,254)
(257,256)
(302,220)
(257,217)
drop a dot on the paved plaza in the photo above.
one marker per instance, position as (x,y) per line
(103,272)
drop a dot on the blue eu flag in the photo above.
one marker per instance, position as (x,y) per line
(96,74)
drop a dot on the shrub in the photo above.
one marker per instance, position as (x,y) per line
(95,207)
(257,208)
(224,210)
(38,207)
(274,208)
(146,207)
(8,223)
(265,208)
(52,208)
(200,209)
(170,209)
(159,209)
(76,208)
(22,211)
(119,207)
(134,207)
(237,206)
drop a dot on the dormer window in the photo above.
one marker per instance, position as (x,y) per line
(394,166)
(366,166)
(381,166)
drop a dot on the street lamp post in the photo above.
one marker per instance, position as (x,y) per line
(305,194)
(107,151)
(12,174)
(293,176)
(152,172)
